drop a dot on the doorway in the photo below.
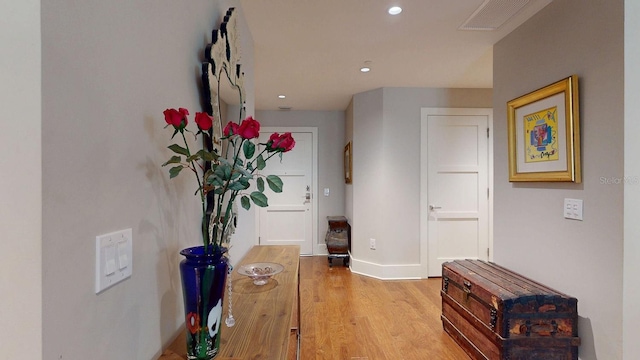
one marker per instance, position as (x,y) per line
(291,217)
(456,182)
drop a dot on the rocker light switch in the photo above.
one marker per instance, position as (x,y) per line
(573,209)
(110,260)
(113,258)
(123,258)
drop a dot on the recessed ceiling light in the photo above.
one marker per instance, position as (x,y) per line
(281,96)
(366,67)
(395,10)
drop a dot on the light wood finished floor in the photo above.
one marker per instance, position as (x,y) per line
(348,316)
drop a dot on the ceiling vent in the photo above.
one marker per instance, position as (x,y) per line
(492,14)
(284,108)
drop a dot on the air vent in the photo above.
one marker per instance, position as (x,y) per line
(492,14)
(284,108)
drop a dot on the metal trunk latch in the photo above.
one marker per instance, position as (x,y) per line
(494,318)
(467,290)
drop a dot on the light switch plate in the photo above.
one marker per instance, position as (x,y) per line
(113,258)
(573,209)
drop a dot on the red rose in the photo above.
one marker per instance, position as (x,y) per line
(249,128)
(284,142)
(274,139)
(204,121)
(230,129)
(176,118)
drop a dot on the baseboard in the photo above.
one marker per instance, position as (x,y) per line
(386,272)
(321,249)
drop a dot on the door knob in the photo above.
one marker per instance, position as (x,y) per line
(431,207)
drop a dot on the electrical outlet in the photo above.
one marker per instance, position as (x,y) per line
(372,244)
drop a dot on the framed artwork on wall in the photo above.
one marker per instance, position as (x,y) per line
(544,134)
(347,163)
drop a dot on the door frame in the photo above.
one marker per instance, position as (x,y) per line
(424,201)
(314,180)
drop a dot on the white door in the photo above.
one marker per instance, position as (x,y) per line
(455,203)
(289,218)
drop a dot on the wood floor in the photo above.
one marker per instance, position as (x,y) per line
(348,316)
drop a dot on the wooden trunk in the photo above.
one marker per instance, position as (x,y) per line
(496,314)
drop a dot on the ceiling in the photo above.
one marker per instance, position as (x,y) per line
(312,50)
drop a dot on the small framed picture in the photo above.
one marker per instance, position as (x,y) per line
(347,163)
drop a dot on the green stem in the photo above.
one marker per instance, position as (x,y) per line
(205,232)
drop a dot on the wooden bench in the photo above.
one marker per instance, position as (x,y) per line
(267,317)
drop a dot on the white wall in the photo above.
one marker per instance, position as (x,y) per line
(109,70)
(20,183)
(580,258)
(386,174)
(631,294)
(330,126)
(366,185)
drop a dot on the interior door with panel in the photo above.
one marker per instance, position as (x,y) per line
(456,199)
(289,218)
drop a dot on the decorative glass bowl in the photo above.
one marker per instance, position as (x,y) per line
(260,272)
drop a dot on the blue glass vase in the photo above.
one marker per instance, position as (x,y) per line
(203,284)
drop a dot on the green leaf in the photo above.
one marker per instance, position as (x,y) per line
(260,184)
(193,157)
(174,171)
(249,149)
(243,171)
(261,163)
(275,183)
(223,172)
(235,175)
(241,184)
(206,156)
(244,201)
(208,177)
(259,199)
(174,160)
(179,149)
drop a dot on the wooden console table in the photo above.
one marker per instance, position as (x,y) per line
(267,316)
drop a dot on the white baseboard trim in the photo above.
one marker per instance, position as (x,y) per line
(386,272)
(321,249)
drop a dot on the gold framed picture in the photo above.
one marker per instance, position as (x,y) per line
(544,134)
(347,163)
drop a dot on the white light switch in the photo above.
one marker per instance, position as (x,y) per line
(123,258)
(110,259)
(113,258)
(573,209)
(326,191)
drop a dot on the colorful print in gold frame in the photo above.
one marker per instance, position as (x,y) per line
(544,134)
